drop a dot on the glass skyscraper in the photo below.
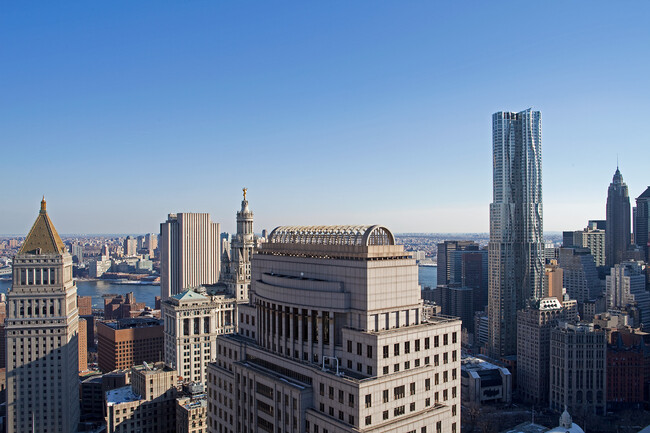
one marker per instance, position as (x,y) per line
(516,248)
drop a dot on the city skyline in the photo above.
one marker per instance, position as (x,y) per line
(317,106)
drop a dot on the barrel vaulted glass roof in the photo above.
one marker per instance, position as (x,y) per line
(332,235)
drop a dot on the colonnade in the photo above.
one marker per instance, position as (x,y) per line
(300,333)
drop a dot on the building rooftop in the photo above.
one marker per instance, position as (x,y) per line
(332,235)
(42,238)
(121,395)
(136,322)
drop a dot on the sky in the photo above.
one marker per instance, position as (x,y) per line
(330,112)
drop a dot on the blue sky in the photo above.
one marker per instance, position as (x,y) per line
(329,112)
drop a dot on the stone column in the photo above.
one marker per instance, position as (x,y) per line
(300,345)
(332,336)
(319,326)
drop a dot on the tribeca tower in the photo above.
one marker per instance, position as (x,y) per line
(516,248)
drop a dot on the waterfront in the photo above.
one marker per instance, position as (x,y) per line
(147,293)
(96,289)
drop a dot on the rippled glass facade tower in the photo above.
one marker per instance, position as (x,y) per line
(516,248)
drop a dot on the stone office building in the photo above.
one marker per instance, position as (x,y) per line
(341,344)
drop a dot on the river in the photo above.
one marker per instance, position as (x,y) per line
(147,293)
(95,289)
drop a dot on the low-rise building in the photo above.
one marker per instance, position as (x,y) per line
(124,343)
(483,382)
(191,410)
(147,405)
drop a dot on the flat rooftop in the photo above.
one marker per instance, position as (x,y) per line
(136,322)
(121,395)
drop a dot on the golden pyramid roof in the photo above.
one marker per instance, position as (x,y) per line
(42,238)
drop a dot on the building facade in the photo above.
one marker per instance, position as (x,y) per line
(626,287)
(192,322)
(145,406)
(534,326)
(190,252)
(516,247)
(341,342)
(642,223)
(123,343)
(579,274)
(578,368)
(618,233)
(42,335)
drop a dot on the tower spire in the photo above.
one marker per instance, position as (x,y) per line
(43,205)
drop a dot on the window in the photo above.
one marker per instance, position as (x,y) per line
(412,388)
(436,341)
(340,396)
(407,365)
(384,415)
(398,392)
(368,400)
(407,347)
(439,427)
(396,349)
(445,339)
(351,400)
(453,410)
(454,338)
(385,351)
(396,368)
(386,370)
(427,402)
(417,345)
(399,411)
(385,396)
(437,378)
(412,407)
(453,356)
(349,346)
(369,351)
(359,346)
(427,384)
(368,420)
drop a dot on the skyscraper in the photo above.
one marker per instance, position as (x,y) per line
(617,234)
(516,248)
(642,223)
(190,256)
(236,262)
(42,335)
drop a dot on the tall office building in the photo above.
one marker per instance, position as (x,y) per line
(130,246)
(626,287)
(516,248)
(642,223)
(578,378)
(534,326)
(42,335)
(341,343)
(190,252)
(447,268)
(580,275)
(617,234)
(192,323)
(236,266)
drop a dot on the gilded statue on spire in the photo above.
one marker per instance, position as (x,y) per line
(244,189)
